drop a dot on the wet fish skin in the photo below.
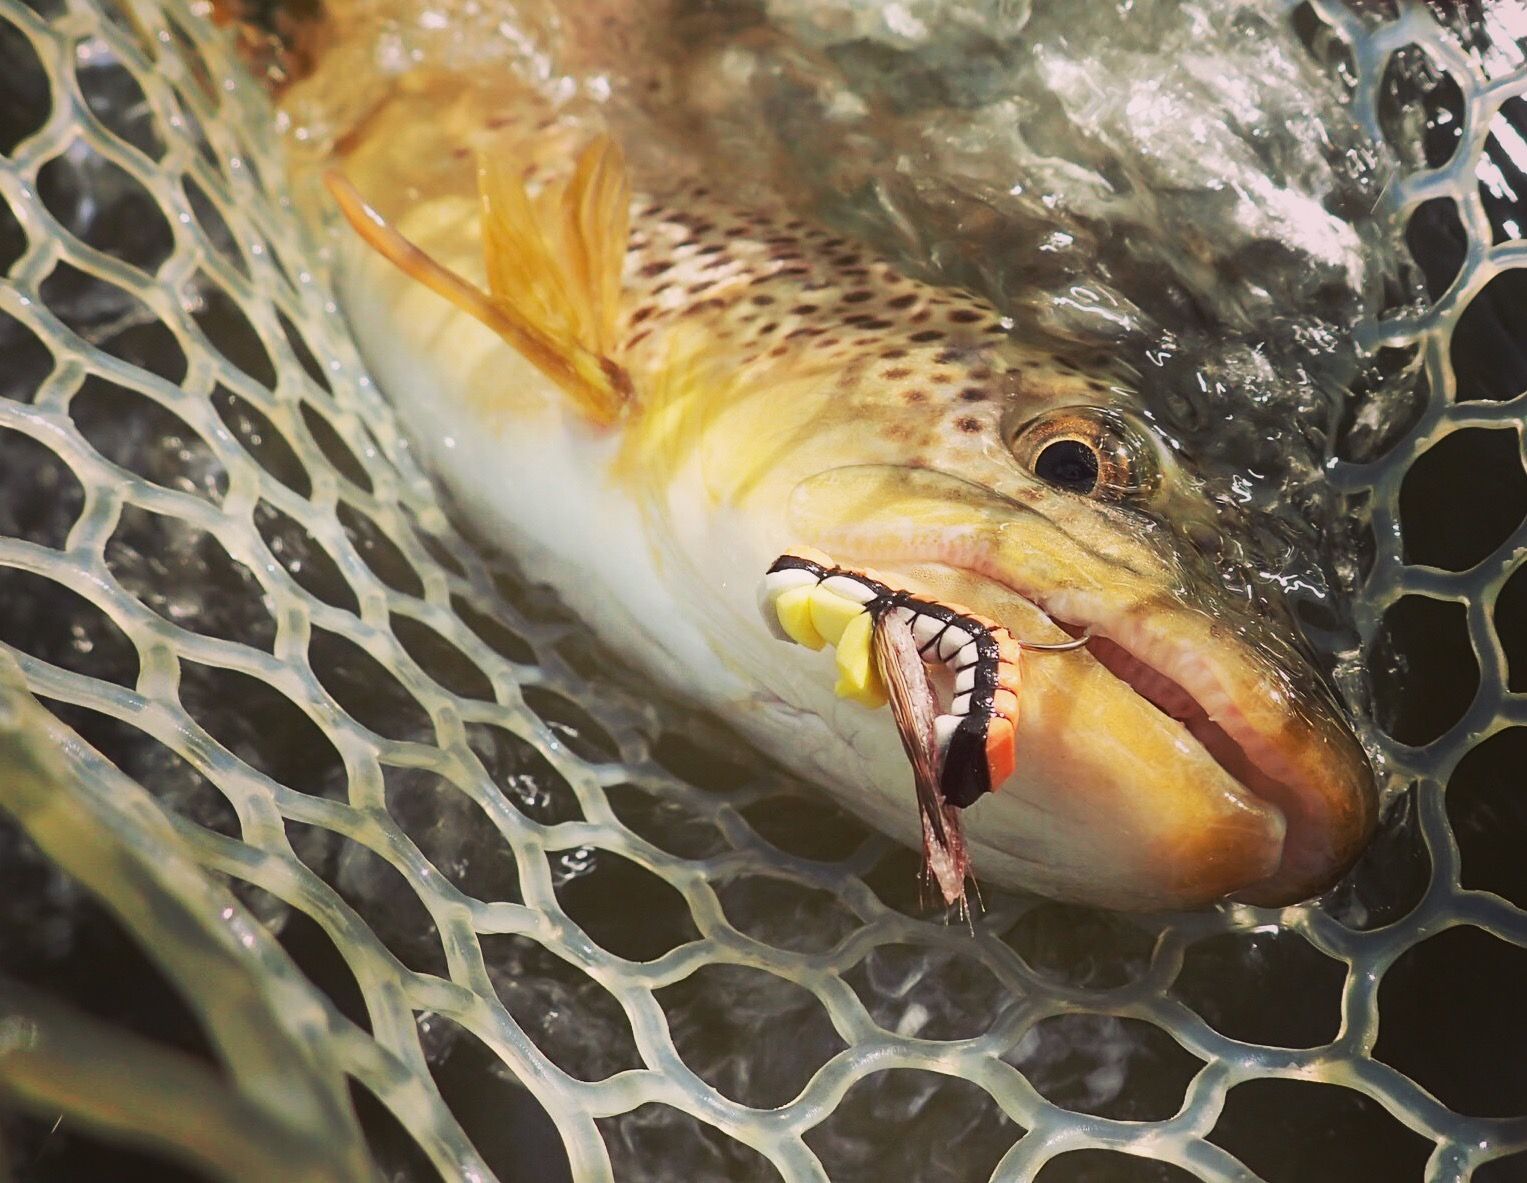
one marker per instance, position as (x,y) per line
(785,387)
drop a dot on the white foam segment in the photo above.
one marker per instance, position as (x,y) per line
(944,727)
(377,843)
(925,628)
(849,589)
(954,639)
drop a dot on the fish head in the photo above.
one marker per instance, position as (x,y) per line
(1189,751)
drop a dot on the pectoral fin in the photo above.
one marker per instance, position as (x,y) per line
(553,264)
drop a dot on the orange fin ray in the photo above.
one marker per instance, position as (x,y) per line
(553,265)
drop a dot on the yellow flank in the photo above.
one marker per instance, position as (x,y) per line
(794,610)
(858,677)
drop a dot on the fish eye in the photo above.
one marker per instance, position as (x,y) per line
(1090,451)
(1068,464)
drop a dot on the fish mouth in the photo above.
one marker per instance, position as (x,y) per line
(1291,753)
(1265,795)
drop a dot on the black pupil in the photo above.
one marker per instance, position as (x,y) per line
(1070,464)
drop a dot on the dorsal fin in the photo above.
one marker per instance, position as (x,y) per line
(553,264)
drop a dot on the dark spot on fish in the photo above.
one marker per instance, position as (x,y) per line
(928,335)
(903,301)
(832,243)
(639,337)
(996,327)
(946,357)
(825,342)
(765,330)
(735,231)
(642,314)
(695,289)
(763,298)
(803,309)
(966,315)
(847,260)
(461,153)
(655,269)
(497,121)
(701,191)
(715,248)
(980,373)
(893,354)
(858,319)
(877,325)
(968,424)
(921,315)
(895,373)
(915,396)
(973,394)
(779,350)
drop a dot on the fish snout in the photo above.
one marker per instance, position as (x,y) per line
(1181,756)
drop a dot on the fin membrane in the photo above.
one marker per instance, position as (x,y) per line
(554,269)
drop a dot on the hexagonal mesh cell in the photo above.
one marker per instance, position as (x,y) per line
(346,807)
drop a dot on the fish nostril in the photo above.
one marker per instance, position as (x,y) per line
(1205,539)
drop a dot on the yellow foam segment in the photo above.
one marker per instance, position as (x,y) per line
(793,607)
(830,613)
(858,679)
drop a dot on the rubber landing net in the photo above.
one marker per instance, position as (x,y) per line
(335,855)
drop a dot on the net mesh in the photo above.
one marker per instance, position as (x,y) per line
(541,930)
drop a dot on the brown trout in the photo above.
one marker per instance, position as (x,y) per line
(652,383)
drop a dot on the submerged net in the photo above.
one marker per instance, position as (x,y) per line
(340,855)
